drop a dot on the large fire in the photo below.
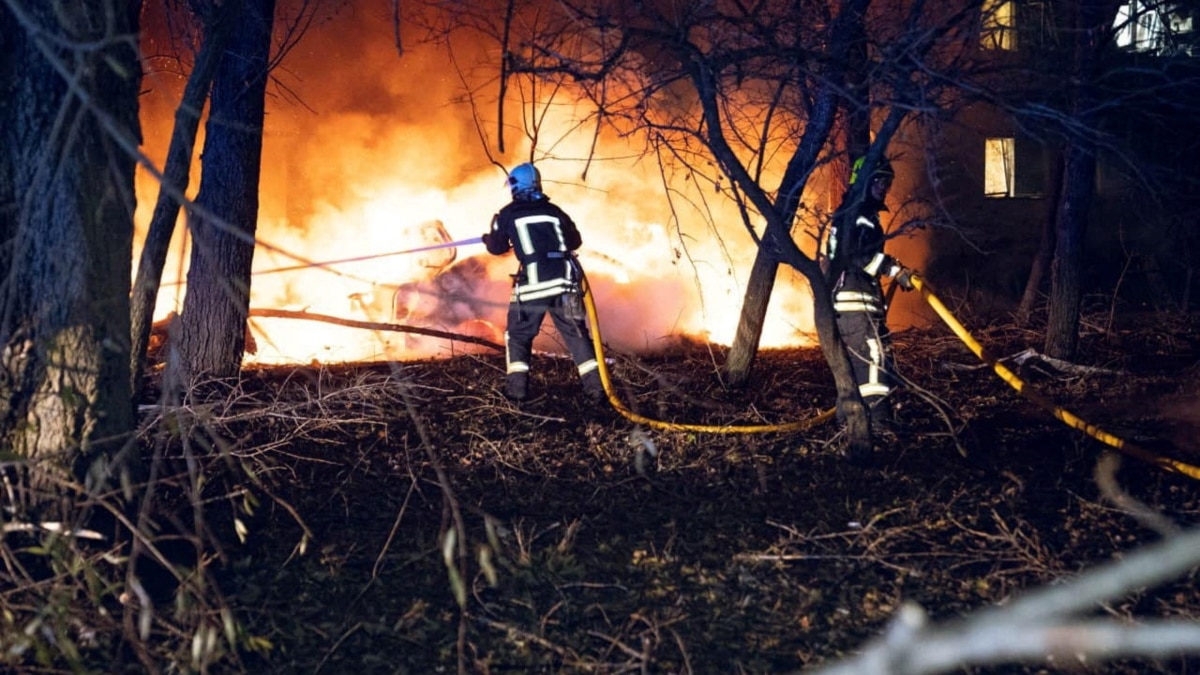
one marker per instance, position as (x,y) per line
(375,159)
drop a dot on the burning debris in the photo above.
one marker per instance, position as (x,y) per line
(463,298)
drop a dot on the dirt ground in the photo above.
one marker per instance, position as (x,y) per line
(585,543)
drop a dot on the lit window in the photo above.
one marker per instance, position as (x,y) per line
(1138,27)
(1014,167)
(1152,26)
(998,167)
(999,25)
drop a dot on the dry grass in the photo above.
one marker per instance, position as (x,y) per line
(583,543)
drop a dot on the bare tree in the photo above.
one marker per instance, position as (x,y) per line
(849,46)
(1091,34)
(68,111)
(235,61)
(1109,113)
(210,340)
(753,98)
(216,21)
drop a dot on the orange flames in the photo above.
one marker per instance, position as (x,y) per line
(378,159)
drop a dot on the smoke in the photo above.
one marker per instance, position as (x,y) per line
(368,151)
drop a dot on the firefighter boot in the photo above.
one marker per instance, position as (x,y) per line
(516,387)
(594,388)
(883,420)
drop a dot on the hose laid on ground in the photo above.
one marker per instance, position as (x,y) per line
(1060,413)
(610,392)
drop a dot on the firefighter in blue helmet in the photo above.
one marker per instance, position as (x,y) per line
(856,265)
(543,237)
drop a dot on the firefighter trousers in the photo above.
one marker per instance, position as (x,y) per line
(869,342)
(525,320)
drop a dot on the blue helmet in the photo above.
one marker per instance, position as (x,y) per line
(525,181)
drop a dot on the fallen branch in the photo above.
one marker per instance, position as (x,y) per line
(1025,357)
(1059,364)
(374,325)
(1045,625)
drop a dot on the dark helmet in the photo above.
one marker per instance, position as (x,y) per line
(883,169)
(525,181)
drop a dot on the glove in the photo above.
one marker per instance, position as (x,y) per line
(494,243)
(904,278)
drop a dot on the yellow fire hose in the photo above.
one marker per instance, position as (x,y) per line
(609,391)
(1060,413)
(1003,371)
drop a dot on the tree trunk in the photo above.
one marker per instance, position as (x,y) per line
(1092,21)
(849,41)
(754,313)
(1062,323)
(209,341)
(176,172)
(1045,252)
(777,245)
(66,238)
(849,400)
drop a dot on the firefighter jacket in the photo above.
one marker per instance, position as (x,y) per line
(857,260)
(542,236)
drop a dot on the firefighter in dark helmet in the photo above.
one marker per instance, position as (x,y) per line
(856,265)
(543,237)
